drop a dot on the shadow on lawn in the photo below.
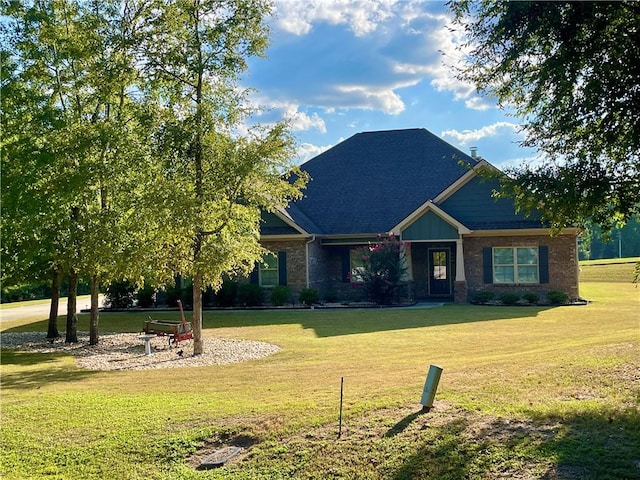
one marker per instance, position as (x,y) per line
(330,323)
(33,378)
(603,445)
(324,322)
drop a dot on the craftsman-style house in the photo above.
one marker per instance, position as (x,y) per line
(459,238)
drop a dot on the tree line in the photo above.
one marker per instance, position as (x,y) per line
(125,150)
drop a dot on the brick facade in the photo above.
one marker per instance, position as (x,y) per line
(296,261)
(563,263)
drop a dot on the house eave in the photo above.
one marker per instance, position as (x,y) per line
(520,232)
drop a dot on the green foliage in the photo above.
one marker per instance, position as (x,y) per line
(250,295)
(531,298)
(509,298)
(19,293)
(120,294)
(331,296)
(145,296)
(383,269)
(573,84)
(227,293)
(557,297)
(280,294)
(309,296)
(483,296)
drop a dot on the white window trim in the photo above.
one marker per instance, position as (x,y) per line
(515,265)
(262,268)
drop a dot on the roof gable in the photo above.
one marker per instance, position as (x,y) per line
(372,181)
(474,205)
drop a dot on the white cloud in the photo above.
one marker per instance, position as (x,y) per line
(467,136)
(362,16)
(301,122)
(370,98)
(307,151)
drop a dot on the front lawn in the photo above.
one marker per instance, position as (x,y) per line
(526,392)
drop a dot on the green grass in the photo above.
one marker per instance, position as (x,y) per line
(526,392)
(608,270)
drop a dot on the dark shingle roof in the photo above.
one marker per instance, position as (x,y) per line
(373,180)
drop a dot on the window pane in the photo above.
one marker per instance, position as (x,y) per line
(528,274)
(269,272)
(439,261)
(527,256)
(268,277)
(503,256)
(503,275)
(271,261)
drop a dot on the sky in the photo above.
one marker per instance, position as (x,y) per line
(335,68)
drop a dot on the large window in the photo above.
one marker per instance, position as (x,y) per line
(269,271)
(515,265)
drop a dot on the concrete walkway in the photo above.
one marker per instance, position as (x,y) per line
(40,311)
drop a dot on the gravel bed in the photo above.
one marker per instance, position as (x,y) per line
(125,351)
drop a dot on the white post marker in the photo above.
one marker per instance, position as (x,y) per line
(430,387)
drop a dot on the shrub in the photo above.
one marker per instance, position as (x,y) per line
(383,269)
(309,296)
(557,297)
(531,298)
(145,296)
(250,295)
(483,296)
(226,295)
(509,298)
(331,296)
(280,295)
(120,295)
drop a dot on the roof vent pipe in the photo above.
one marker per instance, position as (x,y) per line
(474,152)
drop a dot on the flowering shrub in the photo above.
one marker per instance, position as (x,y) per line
(383,268)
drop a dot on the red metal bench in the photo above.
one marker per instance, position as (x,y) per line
(176,331)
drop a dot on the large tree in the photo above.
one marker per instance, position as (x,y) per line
(79,146)
(194,55)
(571,71)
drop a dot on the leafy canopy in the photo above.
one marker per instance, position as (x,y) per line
(570,70)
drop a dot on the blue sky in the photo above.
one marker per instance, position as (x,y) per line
(336,67)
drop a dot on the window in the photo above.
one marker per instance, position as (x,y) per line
(515,265)
(439,262)
(356,265)
(269,271)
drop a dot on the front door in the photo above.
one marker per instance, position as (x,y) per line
(439,271)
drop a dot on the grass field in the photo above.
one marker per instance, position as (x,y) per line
(526,392)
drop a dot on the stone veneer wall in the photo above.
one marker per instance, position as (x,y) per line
(563,263)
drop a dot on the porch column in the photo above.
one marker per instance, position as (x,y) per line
(459,261)
(460,286)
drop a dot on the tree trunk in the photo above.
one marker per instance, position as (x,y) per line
(198,344)
(52,329)
(93,320)
(72,318)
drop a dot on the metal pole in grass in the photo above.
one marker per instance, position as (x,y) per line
(341,396)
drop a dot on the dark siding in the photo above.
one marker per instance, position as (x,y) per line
(430,227)
(474,206)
